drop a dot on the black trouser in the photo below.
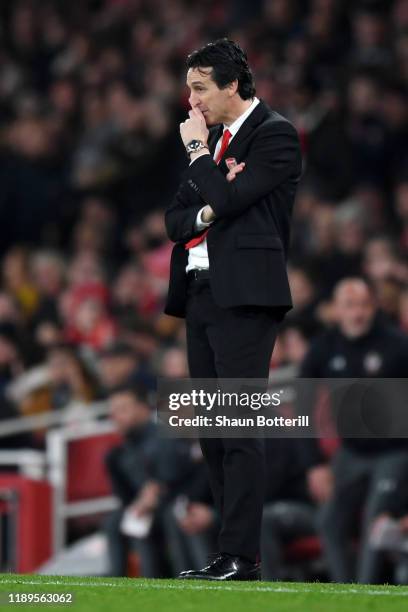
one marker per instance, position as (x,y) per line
(232,343)
(186,550)
(283,521)
(149,549)
(361,483)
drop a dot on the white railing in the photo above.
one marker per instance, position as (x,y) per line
(72,413)
(30,463)
(57,461)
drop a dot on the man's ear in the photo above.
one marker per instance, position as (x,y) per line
(232,87)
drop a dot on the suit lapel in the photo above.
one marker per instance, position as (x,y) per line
(215,135)
(255,118)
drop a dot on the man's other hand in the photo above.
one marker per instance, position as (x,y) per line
(208,214)
(233,168)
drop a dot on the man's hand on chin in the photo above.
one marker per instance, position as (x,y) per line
(194,128)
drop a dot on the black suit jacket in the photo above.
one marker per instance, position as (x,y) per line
(248,242)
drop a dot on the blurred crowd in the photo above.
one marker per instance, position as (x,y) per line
(91,96)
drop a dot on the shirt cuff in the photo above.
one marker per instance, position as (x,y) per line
(200,224)
(195,158)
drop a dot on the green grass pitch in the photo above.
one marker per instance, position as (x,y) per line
(131,594)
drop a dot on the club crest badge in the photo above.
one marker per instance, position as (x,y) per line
(372,363)
(337,363)
(230,162)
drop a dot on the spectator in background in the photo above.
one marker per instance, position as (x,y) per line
(190,520)
(64,381)
(349,228)
(18,283)
(11,364)
(388,541)
(149,474)
(172,363)
(84,307)
(47,333)
(119,364)
(401,209)
(292,344)
(17,441)
(365,129)
(303,291)
(91,324)
(387,272)
(338,238)
(48,274)
(369,28)
(296,336)
(361,345)
(134,471)
(403,310)
(289,510)
(99,214)
(395,114)
(133,297)
(69,380)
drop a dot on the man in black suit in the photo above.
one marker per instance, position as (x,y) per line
(230,221)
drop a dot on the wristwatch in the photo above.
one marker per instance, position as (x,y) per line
(195,145)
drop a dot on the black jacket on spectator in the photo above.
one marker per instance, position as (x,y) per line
(381,353)
(285,474)
(144,455)
(134,462)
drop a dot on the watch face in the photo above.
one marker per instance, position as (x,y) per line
(194,144)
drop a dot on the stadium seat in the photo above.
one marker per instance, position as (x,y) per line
(86,474)
(303,549)
(31,515)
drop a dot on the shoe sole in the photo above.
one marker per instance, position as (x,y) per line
(250,577)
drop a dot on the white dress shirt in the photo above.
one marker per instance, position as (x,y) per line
(198,255)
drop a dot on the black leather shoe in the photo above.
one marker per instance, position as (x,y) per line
(225,567)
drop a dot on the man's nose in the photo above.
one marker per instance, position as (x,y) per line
(193,100)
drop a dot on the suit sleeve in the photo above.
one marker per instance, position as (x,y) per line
(181,216)
(273,157)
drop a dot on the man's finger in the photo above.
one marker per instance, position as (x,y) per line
(198,113)
(236,168)
(234,171)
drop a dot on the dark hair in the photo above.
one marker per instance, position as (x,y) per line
(228,62)
(70,349)
(356,278)
(136,389)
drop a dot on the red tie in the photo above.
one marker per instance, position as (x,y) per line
(226,137)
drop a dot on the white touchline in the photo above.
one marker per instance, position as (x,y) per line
(215,587)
